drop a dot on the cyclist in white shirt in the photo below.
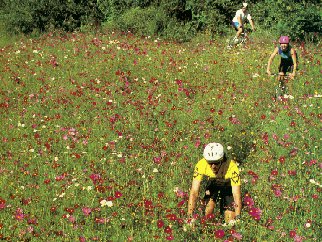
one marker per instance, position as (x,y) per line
(240,18)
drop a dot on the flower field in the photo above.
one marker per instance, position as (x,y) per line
(100,135)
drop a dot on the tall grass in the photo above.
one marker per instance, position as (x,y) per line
(100,134)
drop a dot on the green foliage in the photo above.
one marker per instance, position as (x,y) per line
(148,21)
(299,20)
(46,15)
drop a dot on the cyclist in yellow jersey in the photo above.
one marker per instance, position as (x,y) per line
(223,184)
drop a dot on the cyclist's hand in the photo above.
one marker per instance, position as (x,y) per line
(292,75)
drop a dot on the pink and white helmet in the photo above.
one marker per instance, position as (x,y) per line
(284,40)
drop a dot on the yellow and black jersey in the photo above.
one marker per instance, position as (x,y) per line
(228,171)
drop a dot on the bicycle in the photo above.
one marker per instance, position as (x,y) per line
(241,41)
(281,91)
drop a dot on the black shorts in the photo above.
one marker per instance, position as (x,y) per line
(220,194)
(286,66)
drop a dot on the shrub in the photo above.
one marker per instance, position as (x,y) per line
(30,15)
(297,20)
(148,21)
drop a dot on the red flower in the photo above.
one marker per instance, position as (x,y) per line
(160,223)
(2,203)
(219,233)
(118,194)
(274,172)
(172,217)
(168,230)
(281,159)
(170,237)
(292,233)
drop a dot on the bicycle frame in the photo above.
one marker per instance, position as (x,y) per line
(281,90)
(243,38)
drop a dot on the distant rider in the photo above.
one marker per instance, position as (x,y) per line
(240,18)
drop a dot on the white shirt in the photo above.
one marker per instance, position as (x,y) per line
(242,15)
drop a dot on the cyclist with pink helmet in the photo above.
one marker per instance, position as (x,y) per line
(288,58)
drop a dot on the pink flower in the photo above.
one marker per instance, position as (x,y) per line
(71,219)
(19,215)
(157,160)
(2,203)
(237,236)
(101,220)
(86,211)
(82,239)
(277,192)
(95,178)
(255,213)
(297,238)
(219,233)
(248,201)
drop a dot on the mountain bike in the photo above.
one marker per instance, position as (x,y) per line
(240,41)
(282,90)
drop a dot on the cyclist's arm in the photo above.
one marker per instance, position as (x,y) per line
(270,60)
(293,54)
(194,192)
(237,199)
(240,21)
(252,24)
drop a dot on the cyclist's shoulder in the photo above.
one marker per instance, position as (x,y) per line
(232,164)
(239,11)
(201,163)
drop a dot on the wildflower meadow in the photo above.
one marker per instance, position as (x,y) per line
(100,134)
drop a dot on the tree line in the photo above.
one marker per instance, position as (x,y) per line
(176,19)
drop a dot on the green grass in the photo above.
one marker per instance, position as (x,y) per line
(87,119)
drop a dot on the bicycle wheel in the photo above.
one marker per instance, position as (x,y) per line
(232,42)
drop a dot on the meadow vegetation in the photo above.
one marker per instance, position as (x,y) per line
(100,134)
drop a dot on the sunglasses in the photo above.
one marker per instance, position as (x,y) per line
(216,162)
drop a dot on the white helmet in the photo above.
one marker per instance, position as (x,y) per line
(245,5)
(213,152)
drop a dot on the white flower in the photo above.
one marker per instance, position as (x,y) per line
(106,203)
(229,147)
(155,170)
(88,188)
